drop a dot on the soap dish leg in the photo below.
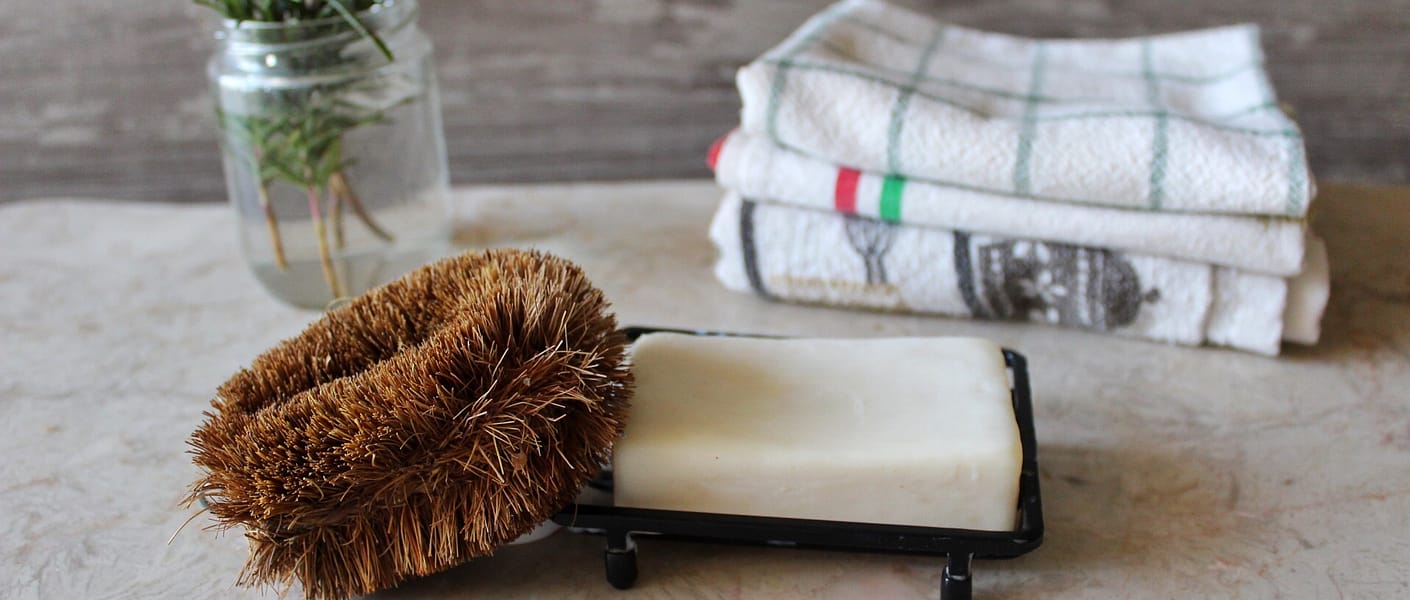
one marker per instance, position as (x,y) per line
(620,559)
(955,584)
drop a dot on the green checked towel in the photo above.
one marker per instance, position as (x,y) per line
(1183,122)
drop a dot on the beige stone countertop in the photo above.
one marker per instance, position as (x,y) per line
(1166,471)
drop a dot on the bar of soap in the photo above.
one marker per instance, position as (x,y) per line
(906,431)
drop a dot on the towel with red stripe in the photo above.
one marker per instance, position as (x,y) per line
(835,144)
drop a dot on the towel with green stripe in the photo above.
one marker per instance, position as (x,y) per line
(1183,122)
(758,169)
(813,256)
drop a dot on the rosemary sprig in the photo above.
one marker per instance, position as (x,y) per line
(303,147)
(255,135)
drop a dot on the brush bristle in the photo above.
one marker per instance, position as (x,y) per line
(426,423)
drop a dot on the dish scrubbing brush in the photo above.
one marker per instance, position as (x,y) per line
(425,423)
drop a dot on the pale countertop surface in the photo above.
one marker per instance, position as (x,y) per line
(1166,471)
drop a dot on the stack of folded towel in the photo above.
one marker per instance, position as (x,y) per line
(1147,187)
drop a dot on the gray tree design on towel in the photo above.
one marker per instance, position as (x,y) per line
(1051,283)
(872,240)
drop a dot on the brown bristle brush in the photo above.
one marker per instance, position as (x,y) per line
(425,423)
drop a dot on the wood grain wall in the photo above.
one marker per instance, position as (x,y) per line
(107,99)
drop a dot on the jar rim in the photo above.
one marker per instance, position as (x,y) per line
(381,16)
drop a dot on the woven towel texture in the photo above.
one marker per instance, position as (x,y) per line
(1182,122)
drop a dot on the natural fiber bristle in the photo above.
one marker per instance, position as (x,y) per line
(426,423)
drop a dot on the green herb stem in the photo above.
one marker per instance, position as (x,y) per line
(321,231)
(272,223)
(338,184)
(360,28)
(335,209)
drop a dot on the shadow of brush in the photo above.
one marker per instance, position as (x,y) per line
(561,562)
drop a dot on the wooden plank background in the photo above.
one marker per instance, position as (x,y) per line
(108,99)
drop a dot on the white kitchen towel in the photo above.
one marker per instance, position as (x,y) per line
(758,169)
(823,257)
(1308,293)
(1178,122)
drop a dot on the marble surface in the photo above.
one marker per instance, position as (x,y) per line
(1166,472)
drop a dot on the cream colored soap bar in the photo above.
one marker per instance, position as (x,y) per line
(910,431)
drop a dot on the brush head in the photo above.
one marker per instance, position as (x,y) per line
(423,424)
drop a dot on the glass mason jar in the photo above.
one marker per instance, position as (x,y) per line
(334,154)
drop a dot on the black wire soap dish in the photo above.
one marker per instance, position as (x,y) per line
(960,546)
